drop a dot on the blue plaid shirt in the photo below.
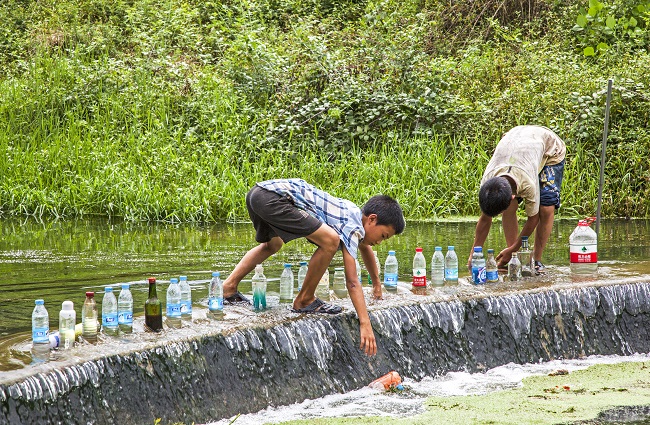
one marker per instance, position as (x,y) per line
(340,214)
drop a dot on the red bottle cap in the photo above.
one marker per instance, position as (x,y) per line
(151,280)
(418,249)
(90,294)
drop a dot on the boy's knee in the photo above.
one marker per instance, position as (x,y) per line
(331,243)
(273,245)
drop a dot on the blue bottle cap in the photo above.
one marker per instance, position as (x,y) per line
(216,274)
(478,249)
(39,302)
(490,251)
(108,289)
(303,263)
(400,387)
(125,286)
(450,248)
(438,248)
(287,265)
(391,252)
(183,277)
(173,280)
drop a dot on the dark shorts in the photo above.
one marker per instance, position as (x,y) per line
(276,215)
(550,182)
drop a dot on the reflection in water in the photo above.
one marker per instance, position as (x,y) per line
(60,260)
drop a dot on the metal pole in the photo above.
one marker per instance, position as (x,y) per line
(602,155)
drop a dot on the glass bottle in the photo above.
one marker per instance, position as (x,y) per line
(153,309)
(89,319)
(514,268)
(259,289)
(525,258)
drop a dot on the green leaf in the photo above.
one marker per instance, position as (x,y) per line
(589,51)
(640,8)
(611,22)
(592,11)
(632,22)
(602,47)
(581,21)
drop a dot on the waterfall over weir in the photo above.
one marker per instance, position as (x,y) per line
(219,373)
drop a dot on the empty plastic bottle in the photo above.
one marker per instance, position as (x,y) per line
(419,269)
(438,267)
(173,304)
(583,248)
(391,272)
(40,324)
(286,284)
(186,298)
(491,269)
(514,268)
(215,296)
(89,319)
(525,258)
(67,323)
(259,288)
(478,266)
(125,310)
(451,266)
(323,288)
(338,283)
(109,312)
(302,272)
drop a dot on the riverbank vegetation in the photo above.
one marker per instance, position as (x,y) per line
(171,109)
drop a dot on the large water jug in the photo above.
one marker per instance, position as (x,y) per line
(583,248)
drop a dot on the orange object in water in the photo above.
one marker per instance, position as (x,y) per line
(390,380)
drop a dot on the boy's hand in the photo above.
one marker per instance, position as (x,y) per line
(368,342)
(377,293)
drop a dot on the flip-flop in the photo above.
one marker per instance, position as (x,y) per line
(319,307)
(236,298)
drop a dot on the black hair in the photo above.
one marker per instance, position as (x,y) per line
(495,195)
(388,212)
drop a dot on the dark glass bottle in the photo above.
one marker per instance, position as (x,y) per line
(153,309)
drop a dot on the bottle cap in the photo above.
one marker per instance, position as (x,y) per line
(303,263)
(450,248)
(125,286)
(338,269)
(287,265)
(216,274)
(182,277)
(490,251)
(478,249)
(524,238)
(39,302)
(173,280)
(67,305)
(90,294)
(108,289)
(418,249)
(151,280)
(391,252)
(438,248)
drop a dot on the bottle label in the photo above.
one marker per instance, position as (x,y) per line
(451,274)
(492,275)
(174,310)
(125,318)
(186,307)
(109,320)
(215,303)
(41,335)
(390,279)
(584,253)
(479,275)
(419,277)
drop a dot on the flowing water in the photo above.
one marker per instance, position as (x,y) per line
(61,260)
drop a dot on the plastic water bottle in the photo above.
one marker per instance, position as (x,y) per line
(525,258)
(451,266)
(323,288)
(478,266)
(583,247)
(259,289)
(491,269)
(302,272)
(215,296)
(109,312)
(67,323)
(40,325)
(173,304)
(89,319)
(419,269)
(125,310)
(438,267)
(514,268)
(286,284)
(390,272)
(186,299)
(338,283)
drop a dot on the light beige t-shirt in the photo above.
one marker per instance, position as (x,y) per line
(521,154)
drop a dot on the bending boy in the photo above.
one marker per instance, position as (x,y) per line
(527,164)
(286,209)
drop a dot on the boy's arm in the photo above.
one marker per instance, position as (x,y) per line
(369,260)
(368,343)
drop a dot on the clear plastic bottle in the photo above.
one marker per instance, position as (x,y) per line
(323,288)
(215,296)
(491,269)
(451,266)
(186,298)
(173,304)
(419,269)
(391,272)
(89,321)
(525,258)
(338,283)
(67,323)
(583,248)
(514,268)
(438,267)
(302,272)
(478,266)
(259,288)
(109,312)
(286,284)
(40,324)
(125,310)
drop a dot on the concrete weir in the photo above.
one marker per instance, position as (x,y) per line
(287,358)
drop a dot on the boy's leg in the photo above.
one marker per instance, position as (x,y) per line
(252,258)
(328,242)
(550,183)
(543,231)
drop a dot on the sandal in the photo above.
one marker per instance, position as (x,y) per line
(319,307)
(236,298)
(539,268)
